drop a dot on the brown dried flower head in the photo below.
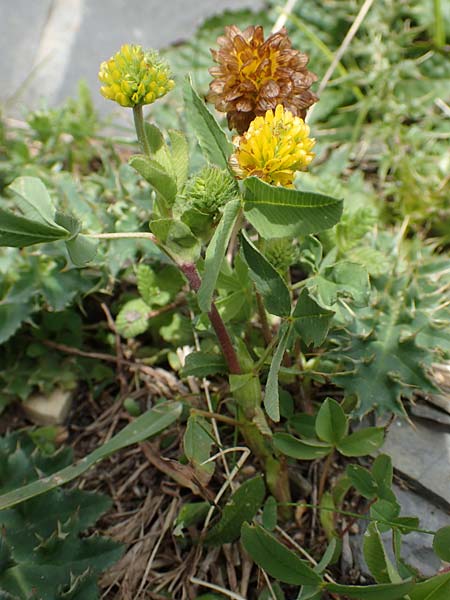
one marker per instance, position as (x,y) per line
(253,76)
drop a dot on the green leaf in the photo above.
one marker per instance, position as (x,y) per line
(155,137)
(327,515)
(312,321)
(132,319)
(271,394)
(404,524)
(441,543)
(268,281)
(362,480)
(272,556)
(34,200)
(19,231)
(146,283)
(12,314)
(331,422)
(180,157)
(269,516)
(81,250)
(436,588)
(203,364)
(242,506)
(200,223)
(383,471)
(301,449)
(70,223)
(156,175)
(330,555)
(280,212)
(150,423)
(275,593)
(376,558)
(362,442)
(191,513)
(385,512)
(211,137)
(341,280)
(382,591)
(304,424)
(215,254)
(382,365)
(310,592)
(41,549)
(197,442)
(178,238)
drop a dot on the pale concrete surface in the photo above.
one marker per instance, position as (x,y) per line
(46,46)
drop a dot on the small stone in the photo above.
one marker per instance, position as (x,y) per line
(422,454)
(439,400)
(48,410)
(440,373)
(424,411)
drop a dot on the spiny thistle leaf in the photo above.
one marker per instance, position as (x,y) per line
(42,553)
(386,353)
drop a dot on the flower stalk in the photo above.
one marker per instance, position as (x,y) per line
(223,336)
(139,125)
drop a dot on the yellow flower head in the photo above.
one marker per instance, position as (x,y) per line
(274,148)
(134,76)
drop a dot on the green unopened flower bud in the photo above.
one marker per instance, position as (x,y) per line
(135,77)
(210,189)
(281,253)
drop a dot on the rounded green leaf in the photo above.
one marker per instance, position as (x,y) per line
(331,422)
(81,250)
(301,449)
(384,512)
(34,200)
(362,442)
(312,321)
(132,319)
(441,543)
(382,470)
(156,175)
(362,480)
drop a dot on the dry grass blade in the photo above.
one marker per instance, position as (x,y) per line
(217,588)
(345,44)
(281,21)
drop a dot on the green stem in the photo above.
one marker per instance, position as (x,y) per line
(123,235)
(248,400)
(223,336)
(439,31)
(324,475)
(267,334)
(139,124)
(347,513)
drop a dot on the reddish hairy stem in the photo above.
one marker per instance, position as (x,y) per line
(191,273)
